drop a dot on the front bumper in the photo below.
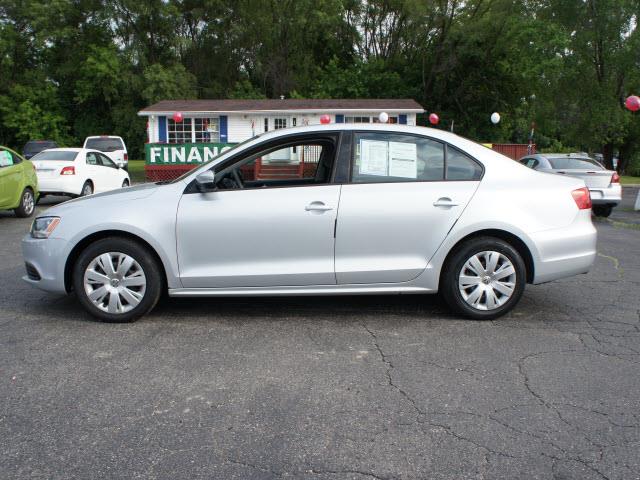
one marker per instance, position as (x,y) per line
(46,257)
(611,195)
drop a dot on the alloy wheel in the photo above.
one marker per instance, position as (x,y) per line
(487,280)
(28,202)
(115,282)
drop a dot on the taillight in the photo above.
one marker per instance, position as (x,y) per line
(615,178)
(68,171)
(126,157)
(582,198)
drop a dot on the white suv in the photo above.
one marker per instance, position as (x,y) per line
(111,146)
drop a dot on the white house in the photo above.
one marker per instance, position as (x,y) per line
(233,121)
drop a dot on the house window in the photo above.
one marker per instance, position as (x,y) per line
(266,124)
(190,130)
(179,132)
(207,129)
(373,119)
(357,120)
(391,120)
(279,123)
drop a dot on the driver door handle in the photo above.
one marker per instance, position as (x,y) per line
(317,207)
(444,202)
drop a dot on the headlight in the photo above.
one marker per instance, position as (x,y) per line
(43,227)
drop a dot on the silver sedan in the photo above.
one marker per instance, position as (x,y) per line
(322,210)
(604,185)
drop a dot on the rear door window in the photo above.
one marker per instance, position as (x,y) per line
(92,158)
(392,157)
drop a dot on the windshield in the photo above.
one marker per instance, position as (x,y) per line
(104,144)
(60,155)
(189,172)
(568,163)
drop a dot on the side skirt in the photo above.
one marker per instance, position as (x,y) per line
(301,290)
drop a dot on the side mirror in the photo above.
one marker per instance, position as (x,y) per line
(205,181)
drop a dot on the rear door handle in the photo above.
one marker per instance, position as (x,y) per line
(317,207)
(444,202)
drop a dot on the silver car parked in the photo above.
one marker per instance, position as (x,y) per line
(604,185)
(322,210)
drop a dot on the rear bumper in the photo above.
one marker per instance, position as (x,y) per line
(611,195)
(60,186)
(564,252)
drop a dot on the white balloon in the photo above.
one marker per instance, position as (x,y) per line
(383,117)
(495,118)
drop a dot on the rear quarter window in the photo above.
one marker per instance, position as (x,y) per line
(461,166)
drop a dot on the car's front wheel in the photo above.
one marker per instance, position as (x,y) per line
(117,280)
(483,278)
(27,204)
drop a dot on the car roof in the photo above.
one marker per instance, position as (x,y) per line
(562,155)
(103,136)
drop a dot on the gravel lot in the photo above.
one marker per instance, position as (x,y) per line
(327,388)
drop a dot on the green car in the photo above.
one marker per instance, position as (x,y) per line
(18,183)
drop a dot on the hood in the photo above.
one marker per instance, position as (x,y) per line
(113,197)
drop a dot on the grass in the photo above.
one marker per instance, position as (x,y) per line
(136,171)
(628,180)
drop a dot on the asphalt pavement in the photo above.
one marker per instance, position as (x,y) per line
(374,387)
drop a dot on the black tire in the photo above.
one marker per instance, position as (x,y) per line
(27,204)
(125,184)
(87,188)
(602,210)
(145,259)
(449,279)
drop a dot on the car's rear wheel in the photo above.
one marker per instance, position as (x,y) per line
(117,280)
(27,204)
(125,184)
(483,278)
(602,210)
(87,189)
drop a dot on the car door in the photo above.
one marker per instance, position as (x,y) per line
(10,178)
(277,231)
(94,171)
(110,172)
(404,195)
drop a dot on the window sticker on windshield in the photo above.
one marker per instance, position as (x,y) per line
(374,157)
(6,159)
(403,160)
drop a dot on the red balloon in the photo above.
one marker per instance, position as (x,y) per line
(633,103)
(324,119)
(434,119)
(177,117)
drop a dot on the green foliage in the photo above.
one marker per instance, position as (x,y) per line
(33,113)
(167,83)
(71,68)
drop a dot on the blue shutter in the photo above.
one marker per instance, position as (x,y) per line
(402,119)
(162,129)
(339,118)
(223,129)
